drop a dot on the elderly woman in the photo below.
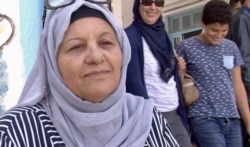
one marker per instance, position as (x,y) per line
(75,95)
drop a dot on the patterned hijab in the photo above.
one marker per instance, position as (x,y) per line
(121,119)
(158,41)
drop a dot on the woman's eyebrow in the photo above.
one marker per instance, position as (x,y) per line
(72,39)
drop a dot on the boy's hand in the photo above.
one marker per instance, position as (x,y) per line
(181,63)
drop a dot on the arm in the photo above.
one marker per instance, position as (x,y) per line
(241,97)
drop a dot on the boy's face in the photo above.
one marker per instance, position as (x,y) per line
(214,33)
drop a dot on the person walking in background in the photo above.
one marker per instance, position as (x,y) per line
(215,64)
(235,5)
(239,32)
(153,71)
(75,94)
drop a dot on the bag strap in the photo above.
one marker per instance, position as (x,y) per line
(174,51)
(180,71)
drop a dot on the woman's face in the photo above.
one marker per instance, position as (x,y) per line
(90,59)
(150,14)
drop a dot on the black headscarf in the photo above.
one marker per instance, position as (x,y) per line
(158,41)
(85,11)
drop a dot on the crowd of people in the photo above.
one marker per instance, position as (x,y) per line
(95,84)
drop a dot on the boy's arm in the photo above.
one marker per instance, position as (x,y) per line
(241,97)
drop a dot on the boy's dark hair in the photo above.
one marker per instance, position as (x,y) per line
(216,11)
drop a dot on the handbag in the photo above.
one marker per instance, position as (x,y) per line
(189,91)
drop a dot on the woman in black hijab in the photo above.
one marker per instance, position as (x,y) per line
(152,71)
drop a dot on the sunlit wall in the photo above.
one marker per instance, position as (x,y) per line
(17,57)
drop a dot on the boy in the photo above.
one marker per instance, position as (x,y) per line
(214,62)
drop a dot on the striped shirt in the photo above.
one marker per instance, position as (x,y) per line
(31,127)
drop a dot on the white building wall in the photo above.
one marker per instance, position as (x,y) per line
(18,56)
(12,54)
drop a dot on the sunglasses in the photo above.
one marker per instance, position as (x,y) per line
(158,3)
(55,4)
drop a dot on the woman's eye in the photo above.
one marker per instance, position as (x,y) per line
(106,43)
(76,47)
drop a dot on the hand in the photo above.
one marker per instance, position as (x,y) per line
(181,63)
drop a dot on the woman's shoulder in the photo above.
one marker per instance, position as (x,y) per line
(131,29)
(21,119)
(29,125)
(133,34)
(26,112)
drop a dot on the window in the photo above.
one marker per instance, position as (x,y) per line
(184,21)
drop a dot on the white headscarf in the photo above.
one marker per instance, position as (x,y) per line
(120,120)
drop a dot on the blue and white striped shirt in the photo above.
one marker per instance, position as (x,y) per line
(31,127)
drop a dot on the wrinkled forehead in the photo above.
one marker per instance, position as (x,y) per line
(60,21)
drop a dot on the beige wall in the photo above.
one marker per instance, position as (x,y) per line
(122,10)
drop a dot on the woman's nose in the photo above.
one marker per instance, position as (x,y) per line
(94,55)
